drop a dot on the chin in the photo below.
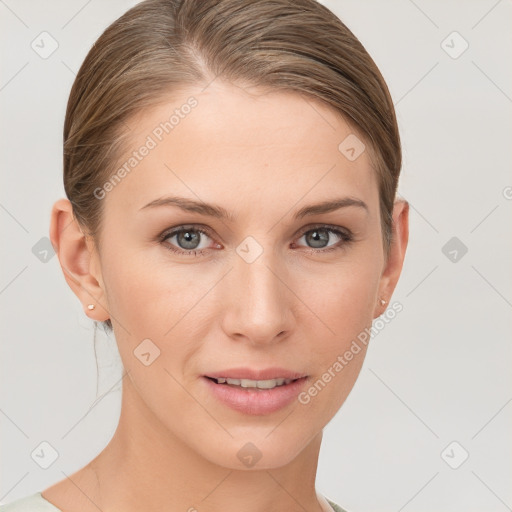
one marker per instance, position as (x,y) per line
(257,449)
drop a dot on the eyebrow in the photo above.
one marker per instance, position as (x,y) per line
(219,212)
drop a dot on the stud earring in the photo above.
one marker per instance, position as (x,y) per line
(91,307)
(383,302)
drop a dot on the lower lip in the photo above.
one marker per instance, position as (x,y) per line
(254,401)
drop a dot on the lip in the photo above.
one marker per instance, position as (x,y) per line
(256,401)
(252,374)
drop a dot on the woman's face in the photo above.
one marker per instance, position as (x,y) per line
(261,287)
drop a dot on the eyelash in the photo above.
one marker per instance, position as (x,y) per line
(346,237)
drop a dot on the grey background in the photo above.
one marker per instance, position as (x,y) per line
(438,373)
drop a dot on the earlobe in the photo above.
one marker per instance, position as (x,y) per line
(75,255)
(394,263)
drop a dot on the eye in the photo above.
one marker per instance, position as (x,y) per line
(189,240)
(319,236)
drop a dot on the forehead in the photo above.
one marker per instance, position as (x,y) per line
(227,140)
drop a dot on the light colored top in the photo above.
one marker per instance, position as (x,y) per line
(33,503)
(36,503)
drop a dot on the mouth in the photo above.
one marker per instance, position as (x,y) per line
(255,397)
(255,385)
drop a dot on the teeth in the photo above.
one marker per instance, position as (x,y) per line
(260,384)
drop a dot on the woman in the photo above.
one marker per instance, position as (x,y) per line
(231,169)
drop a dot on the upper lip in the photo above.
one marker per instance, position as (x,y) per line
(252,374)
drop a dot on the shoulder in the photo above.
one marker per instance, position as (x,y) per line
(334,506)
(32,503)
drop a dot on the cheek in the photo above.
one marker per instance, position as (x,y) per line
(131,292)
(345,305)
(150,296)
(344,299)
(156,303)
(169,304)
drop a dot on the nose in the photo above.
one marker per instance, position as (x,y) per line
(258,302)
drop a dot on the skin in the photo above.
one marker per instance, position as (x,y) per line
(262,156)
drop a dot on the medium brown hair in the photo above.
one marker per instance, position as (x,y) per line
(160,46)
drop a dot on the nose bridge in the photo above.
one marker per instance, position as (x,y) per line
(258,307)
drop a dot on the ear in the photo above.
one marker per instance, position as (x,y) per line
(79,260)
(394,263)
